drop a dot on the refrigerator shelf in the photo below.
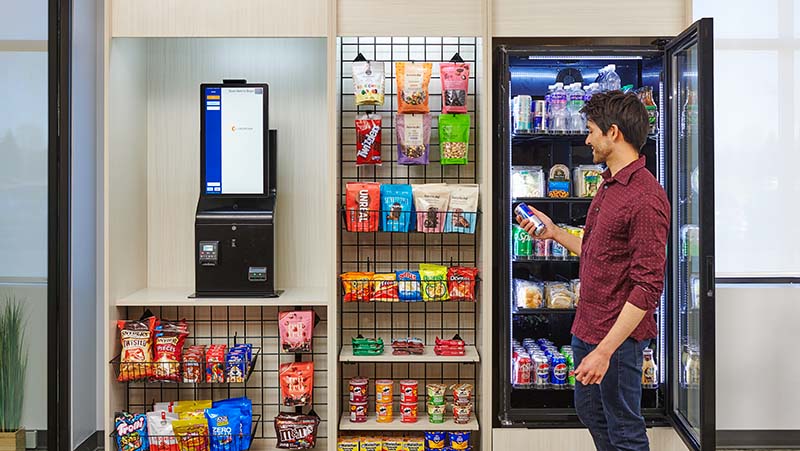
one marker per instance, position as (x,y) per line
(534,135)
(543,388)
(545,311)
(519,259)
(558,200)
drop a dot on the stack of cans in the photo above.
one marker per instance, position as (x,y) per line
(521,113)
(538,363)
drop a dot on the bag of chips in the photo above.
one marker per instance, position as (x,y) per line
(296,431)
(296,329)
(462,210)
(434,282)
(160,432)
(245,406)
(192,433)
(136,359)
(368,139)
(397,203)
(413,138)
(131,431)
(454,138)
(368,82)
(412,87)
(461,283)
(357,286)
(297,383)
(455,84)
(363,206)
(224,427)
(385,288)
(168,348)
(431,202)
(408,286)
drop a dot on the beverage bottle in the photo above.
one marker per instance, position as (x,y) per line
(600,80)
(612,80)
(646,95)
(548,112)
(558,100)
(649,370)
(574,104)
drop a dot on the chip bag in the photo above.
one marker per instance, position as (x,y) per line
(461,283)
(296,431)
(434,282)
(408,286)
(385,288)
(363,206)
(297,383)
(462,210)
(131,431)
(357,286)
(412,87)
(368,82)
(296,329)
(368,139)
(413,138)
(245,406)
(224,427)
(454,138)
(191,433)
(168,348)
(455,85)
(160,432)
(397,205)
(137,349)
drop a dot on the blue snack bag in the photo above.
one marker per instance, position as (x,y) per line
(131,431)
(245,406)
(397,203)
(408,284)
(224,428)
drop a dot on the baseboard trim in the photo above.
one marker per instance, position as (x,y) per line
(758,438)
(93,442)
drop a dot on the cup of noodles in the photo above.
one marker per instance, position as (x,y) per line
(408,391)
(384,412)
(436,394)
(408,412)
(462,393)
(384,390)
(358,412)
(462,413)
(358,389)
(436,413)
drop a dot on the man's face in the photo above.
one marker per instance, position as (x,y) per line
(601,144)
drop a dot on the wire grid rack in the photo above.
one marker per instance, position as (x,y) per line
(255,325)
(387,251)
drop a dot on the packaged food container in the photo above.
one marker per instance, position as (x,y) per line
(527,181)
(408,391)
(408,412)
(358,412)
(384,390)
(358,389)
(383,412)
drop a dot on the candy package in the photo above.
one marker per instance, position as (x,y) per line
(558,295)
(454,138)
(168,349)
(452,347)
(192,409)
(191,433)
(295,431)
(363,206)
(397,205)
(224,427)
(367,346)
(461,282)
(368,139)
(357,286)
(160,432)
(528,294)
(236,365)
(434,282)
(131,431)
(368,82)
(215,364)
(194,364)
(431,202)
(245,406)
(412,87)
(296,329)
(384,288)
(408,284)
(462,210)
(297,383)
(137,349)
(413,138)
(455,85)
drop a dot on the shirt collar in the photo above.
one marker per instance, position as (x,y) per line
(625,174)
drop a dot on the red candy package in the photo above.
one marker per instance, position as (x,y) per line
(168,348)
(296,330)
(368,139)
(461,283)
(137,349)
(363,206)
(215,364)
(297,383)
(296,431)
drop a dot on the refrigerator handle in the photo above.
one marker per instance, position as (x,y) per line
(710,274)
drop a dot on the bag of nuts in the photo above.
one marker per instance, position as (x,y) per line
(454,138)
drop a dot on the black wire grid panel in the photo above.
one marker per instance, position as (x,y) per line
(389,252)
(257,326)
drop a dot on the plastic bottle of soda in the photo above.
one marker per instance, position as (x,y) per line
(646,94)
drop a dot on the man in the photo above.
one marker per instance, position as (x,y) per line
(623,254)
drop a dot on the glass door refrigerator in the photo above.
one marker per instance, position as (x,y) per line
(541,159)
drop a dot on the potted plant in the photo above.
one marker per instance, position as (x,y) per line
(13,363)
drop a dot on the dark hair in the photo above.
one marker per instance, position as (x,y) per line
(624,110)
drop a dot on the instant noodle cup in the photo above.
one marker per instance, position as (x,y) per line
(358,412)
(384,390)
(408,412)
(383,412)
(459,441)
(408,391)
(434,440)
(462,393)
(358,389)
(436,413)
(462,413)
(436,394)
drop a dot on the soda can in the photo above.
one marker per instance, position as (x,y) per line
(560,372)
(542,374)
(521,112)
(539,123)
(540,248)
(525,212)
(522,370)
(523,246)
(557,250)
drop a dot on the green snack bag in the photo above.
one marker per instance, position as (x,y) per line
(434,282)
(454,138)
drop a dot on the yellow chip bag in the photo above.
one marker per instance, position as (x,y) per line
(434,282)
(192,434)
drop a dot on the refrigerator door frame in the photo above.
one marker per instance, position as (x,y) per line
(700,34)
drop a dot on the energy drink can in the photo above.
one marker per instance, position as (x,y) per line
(539,124)
(525,212)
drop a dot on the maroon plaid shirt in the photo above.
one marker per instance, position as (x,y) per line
(623,253)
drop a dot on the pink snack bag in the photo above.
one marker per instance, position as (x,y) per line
(296,328)
(455,85)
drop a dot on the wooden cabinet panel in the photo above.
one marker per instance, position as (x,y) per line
(410,18)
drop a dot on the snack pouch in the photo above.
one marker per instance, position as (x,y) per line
(413,138)
(136,357)
(455,85)
(357,286)
(363,205)
(191,433)
(368,139)
(131,431)
(385,288)
(408,286)
(368,82)
(297,383)
(168,350)
(296,329)
(461,282)
(224,427)
(412,87)
(397,205)
(160,432)
(431,202)
(454,138)
(528,294)
(462,212)
(434,282)
(296,431)
(245,406)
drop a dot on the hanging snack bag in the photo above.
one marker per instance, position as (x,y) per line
(455,85)
(297,383)
(368,139)
(412,87)
(357,286)
(245,406)
(454,138)
(224,427)
(296,329)
(368,82)
(131,431)
(385,288)
(160,432)
(191,433)
(434,282)
(431,202)
(215,364)
(408,286)
(462,212)
(137,349)
(363,205)
(413,138)
(296,431)
(461,283)
(397,205)
(168,348)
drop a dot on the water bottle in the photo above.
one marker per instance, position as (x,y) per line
(574,104)
(548,111)
(612,80)
(600,80)
(558,100)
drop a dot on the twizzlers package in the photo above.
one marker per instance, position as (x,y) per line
(363,206)
(296,328)
(368,139)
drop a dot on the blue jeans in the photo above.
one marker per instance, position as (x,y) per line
(612,409)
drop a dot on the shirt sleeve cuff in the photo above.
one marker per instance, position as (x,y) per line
(643,299)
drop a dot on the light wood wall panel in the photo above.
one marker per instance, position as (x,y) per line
(661,439)
(211,18)
(409,18)
(543,18)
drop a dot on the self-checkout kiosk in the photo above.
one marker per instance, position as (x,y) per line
(235,219)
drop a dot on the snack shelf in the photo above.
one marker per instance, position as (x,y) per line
(518,259)
(470,356)
(377,215)
(545,388)
(544,311)
(179,297)
(140,370)
(422,424)
(553,200)
(165,439)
